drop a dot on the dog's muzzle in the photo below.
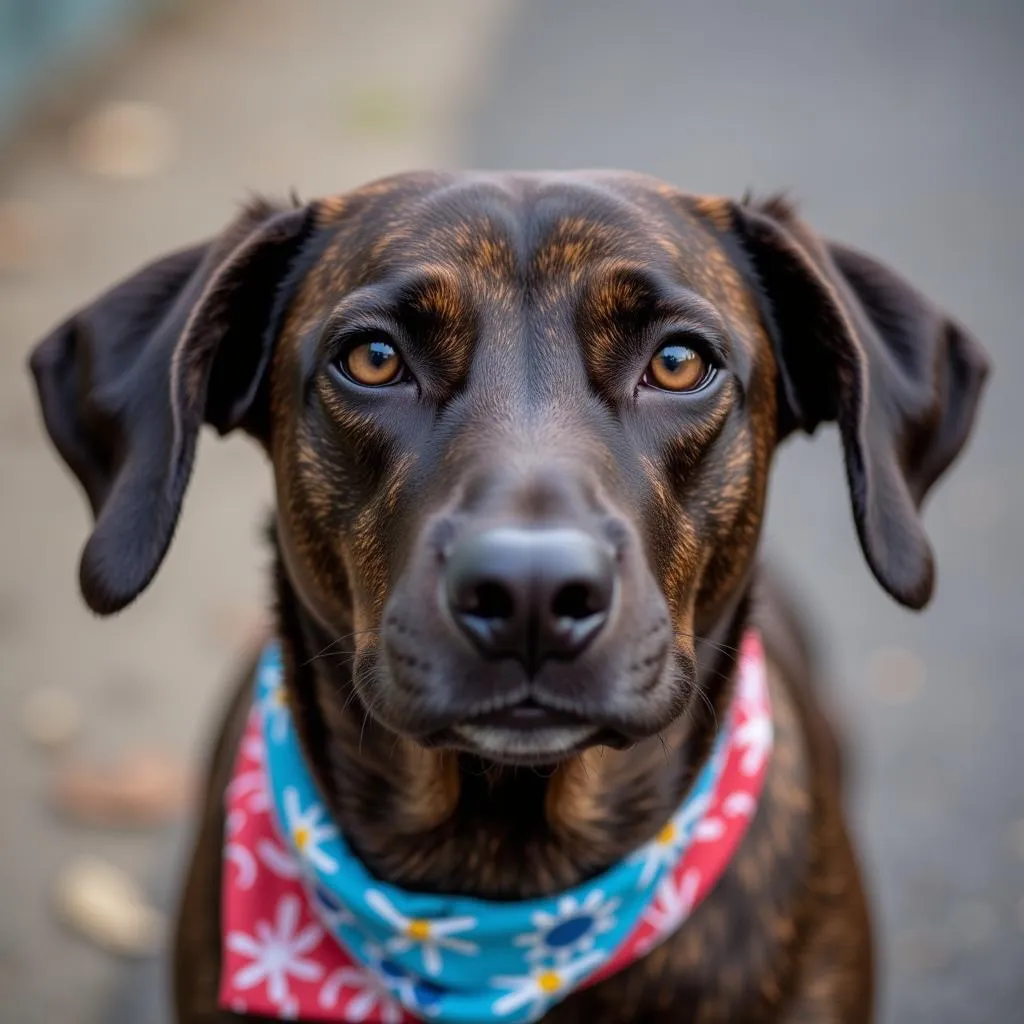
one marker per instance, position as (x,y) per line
(533,595)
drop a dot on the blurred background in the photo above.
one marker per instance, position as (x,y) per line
(129,127)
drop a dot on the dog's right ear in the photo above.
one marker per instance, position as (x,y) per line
(126,383)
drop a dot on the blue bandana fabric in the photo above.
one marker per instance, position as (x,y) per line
(454,958)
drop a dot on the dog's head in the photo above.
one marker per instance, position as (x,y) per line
(521,428)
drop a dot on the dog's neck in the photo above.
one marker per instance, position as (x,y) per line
(447,822)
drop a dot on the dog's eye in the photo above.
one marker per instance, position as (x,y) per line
(676,367)
(373,362)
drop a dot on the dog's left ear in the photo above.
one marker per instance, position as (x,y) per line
(858,345)
(126,383)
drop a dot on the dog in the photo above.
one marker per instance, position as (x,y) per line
(521,427)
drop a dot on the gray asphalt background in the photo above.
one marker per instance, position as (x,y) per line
(897,126)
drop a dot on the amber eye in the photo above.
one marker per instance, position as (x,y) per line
(676,367)
(373,363)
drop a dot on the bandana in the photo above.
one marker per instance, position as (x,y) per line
(310,934)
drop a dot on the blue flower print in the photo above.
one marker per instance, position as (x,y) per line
(572,929)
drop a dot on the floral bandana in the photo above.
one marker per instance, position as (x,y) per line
(310,934)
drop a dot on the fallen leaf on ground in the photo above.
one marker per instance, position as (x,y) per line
(141,788)
(105,905)
(122,139)
(51,716)
(22,235)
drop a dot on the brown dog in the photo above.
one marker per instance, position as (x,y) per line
(521,428)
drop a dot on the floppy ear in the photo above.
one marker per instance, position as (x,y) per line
(859,345)
(126,383)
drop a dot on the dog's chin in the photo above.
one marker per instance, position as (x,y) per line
(516,746)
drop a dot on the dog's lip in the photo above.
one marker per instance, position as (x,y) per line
(528,715)
(517,746)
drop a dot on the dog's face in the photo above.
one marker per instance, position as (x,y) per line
(532,448)
(521,428)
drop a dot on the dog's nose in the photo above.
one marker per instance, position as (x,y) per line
(530,594)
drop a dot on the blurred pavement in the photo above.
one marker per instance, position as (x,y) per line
(898,127)
(258,96)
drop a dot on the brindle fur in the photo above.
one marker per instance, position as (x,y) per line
(526,304)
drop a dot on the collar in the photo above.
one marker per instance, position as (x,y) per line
(310,934)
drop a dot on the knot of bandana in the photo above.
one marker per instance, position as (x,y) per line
(309,933)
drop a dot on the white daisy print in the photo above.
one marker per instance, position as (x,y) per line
(664,848)
(277,953)
(538,989)
(739,804)
(234,822)
(572,929)
(752,681)
(245,863)
(672,905)
(278,859)
(709,829)
(250,786)
(754,738)
(430,936)
(735,805)
(238,853)
(274,702)
(307,831)
(372,999)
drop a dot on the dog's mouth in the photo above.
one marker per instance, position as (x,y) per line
(526,715)
(516,745)
(527,733)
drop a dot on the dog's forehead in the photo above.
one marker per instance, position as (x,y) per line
(490,235)
(502,223)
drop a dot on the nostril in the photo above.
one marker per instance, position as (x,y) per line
(490,600)
(530,593)
(576,601)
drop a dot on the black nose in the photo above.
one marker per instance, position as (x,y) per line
(530,594)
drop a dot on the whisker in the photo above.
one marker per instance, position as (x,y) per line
(721,648)
(341,639)
(362,728)
(664,746)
